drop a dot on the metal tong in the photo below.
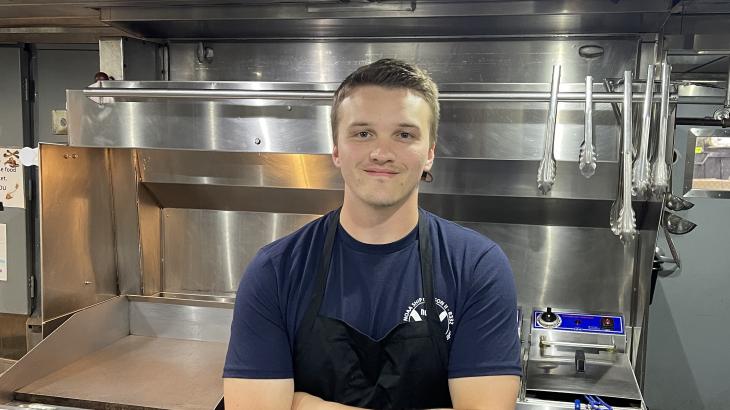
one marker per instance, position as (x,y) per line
(587,153)
(623,222)
(546,171)
(641,181)
(660,171)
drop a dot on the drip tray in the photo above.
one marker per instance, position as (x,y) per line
(151,371)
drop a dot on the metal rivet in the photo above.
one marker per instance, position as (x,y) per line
(288,108)
(74,156)
(65,156)
(257,141)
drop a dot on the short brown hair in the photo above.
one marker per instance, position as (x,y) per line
(390,73)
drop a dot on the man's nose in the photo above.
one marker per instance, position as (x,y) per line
(382,153)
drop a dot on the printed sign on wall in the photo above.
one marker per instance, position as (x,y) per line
(11,179)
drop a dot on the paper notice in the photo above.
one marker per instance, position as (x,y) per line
(3,254)
(11,179)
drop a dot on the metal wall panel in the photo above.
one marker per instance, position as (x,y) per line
(467,130)
(589,269)
(508,131)
(464,61)
(78,266)
(59,68)
(207,251)
(124,180)
(14,291)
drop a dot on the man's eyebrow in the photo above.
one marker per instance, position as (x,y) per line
(359,124)
(407,125)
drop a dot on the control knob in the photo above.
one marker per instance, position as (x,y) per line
(548,319)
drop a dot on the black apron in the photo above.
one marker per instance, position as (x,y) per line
(406,369)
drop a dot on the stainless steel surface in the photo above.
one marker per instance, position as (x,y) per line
(587,151)
(176,346)
(551,343)
(660,171)
(469,61)
(124,180)
(180,179)
(625,224)
(150,237)
(148,372)
(370,19)
(179,321)
(207,251)
(217,94)
(77,236)
(12,337)
(5,364)
(641,181)
(124,58)
(546,170)
(85,332)
(468,130)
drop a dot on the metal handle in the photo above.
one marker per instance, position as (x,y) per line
(546,171)
(587,154)
(641,181)
(625,226)
(544,342)
(660,171)
(102,90)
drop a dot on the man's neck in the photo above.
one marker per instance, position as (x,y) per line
(379,225)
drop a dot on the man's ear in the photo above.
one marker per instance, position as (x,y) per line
(336,156)
(431,156)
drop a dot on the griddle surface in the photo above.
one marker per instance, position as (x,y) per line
(138,372)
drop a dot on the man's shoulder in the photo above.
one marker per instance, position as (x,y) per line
(456,237)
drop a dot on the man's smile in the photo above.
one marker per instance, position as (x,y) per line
(381,172)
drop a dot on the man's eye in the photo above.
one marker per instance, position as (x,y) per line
(363,134)
(405,135)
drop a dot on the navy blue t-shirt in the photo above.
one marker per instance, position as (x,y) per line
(373,288)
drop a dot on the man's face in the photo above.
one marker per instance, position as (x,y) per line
(383,144)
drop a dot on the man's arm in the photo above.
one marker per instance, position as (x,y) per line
(258,394)
(484,392)
(467,393)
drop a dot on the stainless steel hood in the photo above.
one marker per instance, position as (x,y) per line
(86,20)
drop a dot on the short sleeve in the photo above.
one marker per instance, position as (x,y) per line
(259,345)
(485,340)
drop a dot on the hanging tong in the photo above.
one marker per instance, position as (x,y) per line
(641,181)
(546,171)
(623,222)
(587,154)
(660,171)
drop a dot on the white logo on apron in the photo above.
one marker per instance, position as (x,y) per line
(416,312)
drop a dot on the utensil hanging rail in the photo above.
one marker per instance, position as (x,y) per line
(484,96)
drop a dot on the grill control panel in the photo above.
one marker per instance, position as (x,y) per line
(578,322)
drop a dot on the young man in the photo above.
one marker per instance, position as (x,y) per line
(378,304)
